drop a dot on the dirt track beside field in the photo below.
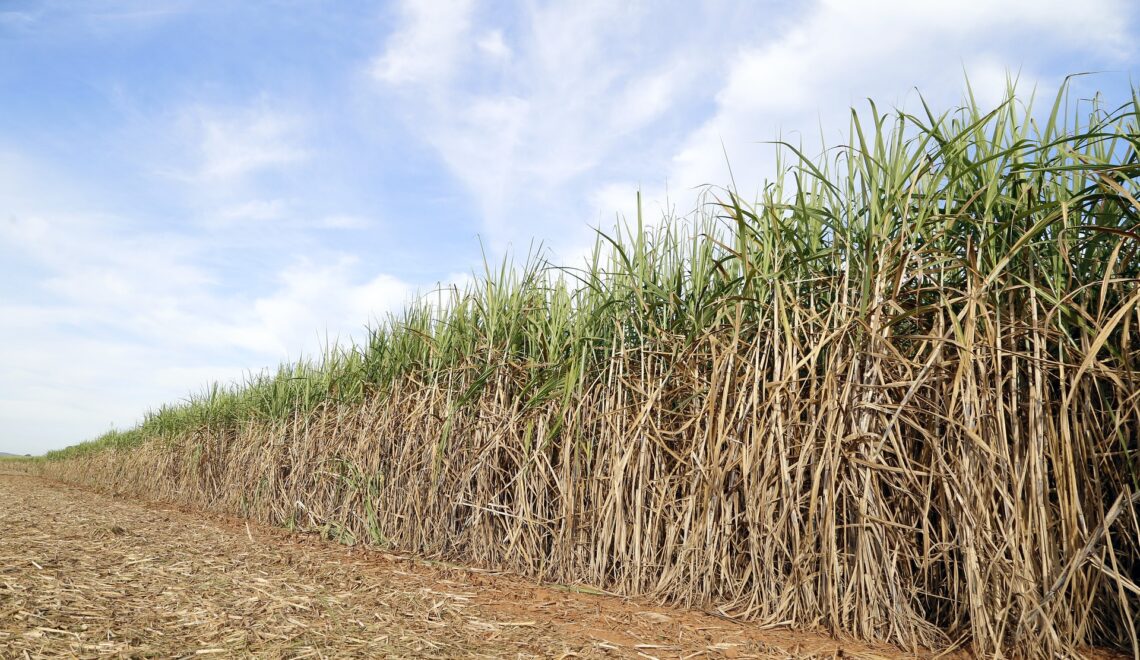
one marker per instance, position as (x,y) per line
(87,575)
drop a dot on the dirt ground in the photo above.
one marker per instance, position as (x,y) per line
(86,575)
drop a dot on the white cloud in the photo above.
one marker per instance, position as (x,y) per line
(154,287)
(428,43)
(223,146)
(98,260)
(565,104)
(118,316)
(842,52)
(319,299)
(648,97)
(257,209)
(283,215)
(235,146)
(493,45)
(345,221)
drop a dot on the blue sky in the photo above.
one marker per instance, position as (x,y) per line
(191,190)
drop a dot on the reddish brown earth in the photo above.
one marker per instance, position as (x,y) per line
(87,575)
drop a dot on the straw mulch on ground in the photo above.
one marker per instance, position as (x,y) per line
(86,575)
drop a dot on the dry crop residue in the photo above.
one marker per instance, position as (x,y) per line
(86,575)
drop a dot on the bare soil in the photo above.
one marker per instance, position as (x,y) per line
(87,575)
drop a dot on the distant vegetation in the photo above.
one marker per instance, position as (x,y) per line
(898,396)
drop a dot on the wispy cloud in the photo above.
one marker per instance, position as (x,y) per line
(122,314)
(103,18)
(233,144)
(428,43)
(344,221)
(17,20)
(255,210)
(553,101)
(493,45)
